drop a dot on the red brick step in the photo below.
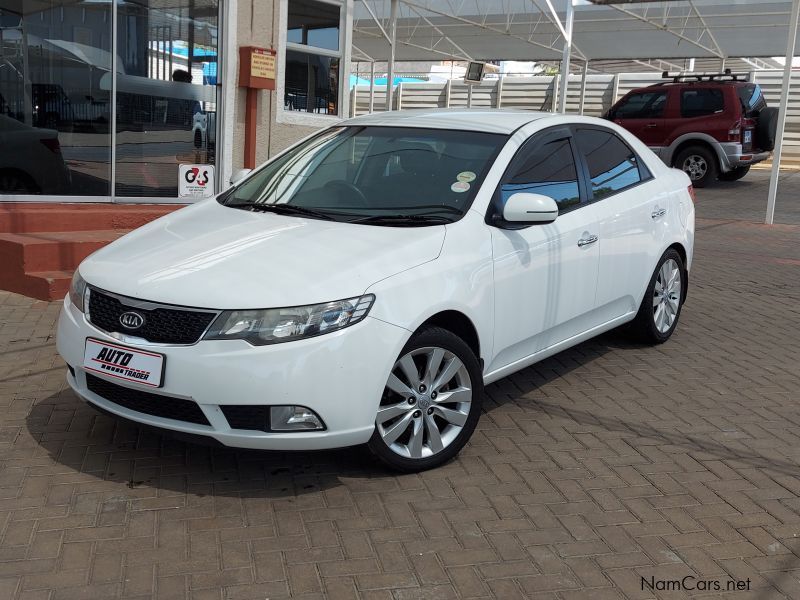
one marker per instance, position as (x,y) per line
(41,244)
(18,217)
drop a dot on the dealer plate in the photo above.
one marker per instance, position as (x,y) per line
(124,363)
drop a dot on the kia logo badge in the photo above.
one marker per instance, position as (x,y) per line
(131,320)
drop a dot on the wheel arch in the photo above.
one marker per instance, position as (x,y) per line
(680,249)
(703,141)
(459,324)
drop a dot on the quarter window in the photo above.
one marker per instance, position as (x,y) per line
(644,105)
(313,57)
(612,164)
(547,169)
(699,102)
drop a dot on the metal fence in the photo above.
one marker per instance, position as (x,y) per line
(539,93)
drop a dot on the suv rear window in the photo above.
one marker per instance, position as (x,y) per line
(752,98)
(698,102)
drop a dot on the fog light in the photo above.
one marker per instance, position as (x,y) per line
(294,418)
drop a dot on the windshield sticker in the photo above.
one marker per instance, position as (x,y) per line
(466,176)
(459,187)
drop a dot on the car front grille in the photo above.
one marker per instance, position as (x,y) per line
(162,324)
(156,405)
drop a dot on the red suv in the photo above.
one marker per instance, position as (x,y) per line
(711,126)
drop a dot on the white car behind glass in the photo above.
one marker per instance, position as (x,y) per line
(364,286)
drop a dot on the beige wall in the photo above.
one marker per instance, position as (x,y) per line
(257,25)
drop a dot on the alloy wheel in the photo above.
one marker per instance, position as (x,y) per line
(695,166)
(425,404)
(667,295)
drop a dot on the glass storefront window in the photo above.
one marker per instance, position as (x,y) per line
(313,23)
(166,93)
(313,57)
(312,83)
(57,98)
(54,110)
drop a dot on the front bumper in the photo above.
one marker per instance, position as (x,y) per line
(340,376)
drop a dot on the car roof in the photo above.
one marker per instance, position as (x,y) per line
(496,120)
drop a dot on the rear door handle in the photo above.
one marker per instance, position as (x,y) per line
(659,212)
(585,241)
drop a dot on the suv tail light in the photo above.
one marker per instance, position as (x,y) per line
(52,144)
(735,132)
(690,189)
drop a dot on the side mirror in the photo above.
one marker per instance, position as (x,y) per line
(239,175)
(523,207)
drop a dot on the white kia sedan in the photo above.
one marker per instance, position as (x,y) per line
(364,286)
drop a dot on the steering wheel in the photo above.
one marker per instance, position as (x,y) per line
(352,192)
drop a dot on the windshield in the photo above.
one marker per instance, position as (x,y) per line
(374,175)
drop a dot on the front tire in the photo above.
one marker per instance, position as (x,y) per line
(699,163)
(661,306)
(431,402)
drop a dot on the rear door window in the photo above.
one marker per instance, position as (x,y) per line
(699,102)
(642,105)
(613,166)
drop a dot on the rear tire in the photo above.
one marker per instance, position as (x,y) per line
(661,306)
(431,402)
(699,163)
(735,174)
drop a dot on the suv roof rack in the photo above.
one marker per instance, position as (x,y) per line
(727,75)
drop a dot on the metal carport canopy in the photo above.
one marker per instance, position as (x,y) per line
(534,29)
(599,29)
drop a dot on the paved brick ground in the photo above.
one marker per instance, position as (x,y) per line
(605,464)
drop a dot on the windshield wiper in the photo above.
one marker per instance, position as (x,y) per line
(284,209)
(403,219)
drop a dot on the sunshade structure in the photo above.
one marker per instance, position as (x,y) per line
(565,30)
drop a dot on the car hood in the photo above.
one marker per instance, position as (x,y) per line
(211,256)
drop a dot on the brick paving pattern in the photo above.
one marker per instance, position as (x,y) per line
(601,466)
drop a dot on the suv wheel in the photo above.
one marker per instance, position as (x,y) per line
(735,174)
(431,402)
(699,163)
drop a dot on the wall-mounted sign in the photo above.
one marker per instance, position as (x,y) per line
(257,68)
(195,181)
(262,64)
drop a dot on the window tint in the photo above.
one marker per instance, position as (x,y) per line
(644,105)
(547,169)
(612,164)
(701,101)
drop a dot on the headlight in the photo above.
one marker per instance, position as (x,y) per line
(278,325)
(77,291)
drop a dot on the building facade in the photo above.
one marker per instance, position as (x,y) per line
(139,100)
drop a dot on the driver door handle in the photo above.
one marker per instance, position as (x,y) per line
(651,126)
(585,241)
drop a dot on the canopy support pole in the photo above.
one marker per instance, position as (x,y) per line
(787,78)
(392,44)
(562,96)
(371,86)
(583,85)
